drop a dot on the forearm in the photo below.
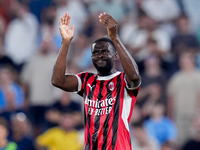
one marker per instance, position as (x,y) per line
(58,76)
(128,63)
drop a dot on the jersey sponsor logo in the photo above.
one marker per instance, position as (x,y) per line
(99,107)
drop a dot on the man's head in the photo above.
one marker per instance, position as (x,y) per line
(103,55)
(66,120)
(139,132)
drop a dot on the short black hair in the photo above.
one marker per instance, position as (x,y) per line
(105,39)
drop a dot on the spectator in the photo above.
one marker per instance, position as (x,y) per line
(159,126)
(141,140)
(21,132)
(5,10)
(153,87)
(112,7)
(159,10)
(11,94)
(65,102)
(36,80)
(147,34)
(192,11)
(183,39)
(4,59)
(62,137)
(77,11)
(18,44)
(4,143)
(193,143)
(184,96)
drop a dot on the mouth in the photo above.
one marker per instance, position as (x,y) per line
(101,62)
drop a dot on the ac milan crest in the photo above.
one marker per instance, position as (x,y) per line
(111,86)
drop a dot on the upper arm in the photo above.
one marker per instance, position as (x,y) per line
(70,83)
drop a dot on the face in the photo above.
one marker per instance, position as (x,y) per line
(67,121)
(140,134)
(186,61)
(103,56)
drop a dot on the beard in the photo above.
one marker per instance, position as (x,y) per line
(104,67)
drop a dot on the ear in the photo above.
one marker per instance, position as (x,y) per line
(115,56)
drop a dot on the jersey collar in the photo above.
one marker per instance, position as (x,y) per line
(108,77)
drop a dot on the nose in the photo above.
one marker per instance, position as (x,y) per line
(100,55)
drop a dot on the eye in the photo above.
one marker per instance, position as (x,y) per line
(94,53)
(105,52)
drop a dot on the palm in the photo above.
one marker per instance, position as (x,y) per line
(109,23)
(65,31)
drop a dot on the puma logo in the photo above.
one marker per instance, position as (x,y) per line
(90,86)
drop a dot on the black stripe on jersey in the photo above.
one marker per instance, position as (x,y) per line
(97,120)
(116,113)
(135,92)
(87,147)
(105,125)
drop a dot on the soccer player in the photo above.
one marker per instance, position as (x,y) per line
(109,96)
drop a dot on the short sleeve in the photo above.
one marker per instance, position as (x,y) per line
(82,80)
(128,87)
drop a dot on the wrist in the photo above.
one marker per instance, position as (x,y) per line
(113,38)
(66,41)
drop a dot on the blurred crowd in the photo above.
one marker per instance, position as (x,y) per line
(163,37)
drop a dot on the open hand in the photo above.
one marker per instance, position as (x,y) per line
(65,31)
(109,23)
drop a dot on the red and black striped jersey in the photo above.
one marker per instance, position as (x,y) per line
(108,105)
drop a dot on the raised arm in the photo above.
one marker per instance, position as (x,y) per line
(128,63)
(59,79)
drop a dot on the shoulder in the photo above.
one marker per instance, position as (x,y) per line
(86,73)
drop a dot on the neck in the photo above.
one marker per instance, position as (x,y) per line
(107,73)
(17,136)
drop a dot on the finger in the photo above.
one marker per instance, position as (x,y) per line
(65,17)
(68,20)
(60,21)
(107,17)
(72,28)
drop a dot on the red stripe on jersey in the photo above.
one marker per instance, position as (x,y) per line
(123,140)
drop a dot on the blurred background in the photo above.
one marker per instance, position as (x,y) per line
(163,37)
